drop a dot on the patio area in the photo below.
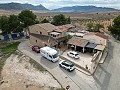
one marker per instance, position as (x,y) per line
(84,60)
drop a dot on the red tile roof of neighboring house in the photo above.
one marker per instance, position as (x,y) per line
(97,34)
(63,28)
(101,35)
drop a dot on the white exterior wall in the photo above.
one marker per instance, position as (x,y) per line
(95,39)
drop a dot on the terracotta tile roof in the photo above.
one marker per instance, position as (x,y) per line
(90,33)
(47,26)
(78,41)
(101,35)
(97,34)
(62,28)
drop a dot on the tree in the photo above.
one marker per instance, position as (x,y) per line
(27,17)
(14,23)
(97,27)
(115,28)
(4,24)
(45,21)
(90,26)
(59,20)
(68,21)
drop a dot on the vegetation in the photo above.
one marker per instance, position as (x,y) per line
(45,21)
(60,20)
(90,26)
(97,27)
(4,24)
(94,27)
(27,17)
(16,23)
(115,28)
(10,48)
(5,52)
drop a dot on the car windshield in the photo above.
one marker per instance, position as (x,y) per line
(76,54)
(55,55)
(69,63)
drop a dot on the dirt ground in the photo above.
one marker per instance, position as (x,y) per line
(19,74)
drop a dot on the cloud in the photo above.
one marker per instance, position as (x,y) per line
(52,4)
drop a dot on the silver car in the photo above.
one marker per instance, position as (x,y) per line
(73,54)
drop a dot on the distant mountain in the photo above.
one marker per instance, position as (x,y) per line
(18,6)
(83,9)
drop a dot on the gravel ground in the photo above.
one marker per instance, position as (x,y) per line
(19,74)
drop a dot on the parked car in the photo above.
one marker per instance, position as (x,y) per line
(36,49)
(73,54)
(69,66)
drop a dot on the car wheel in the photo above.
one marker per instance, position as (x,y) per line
(60,65)
(68,70)
(52,61)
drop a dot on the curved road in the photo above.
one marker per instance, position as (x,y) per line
(106,76)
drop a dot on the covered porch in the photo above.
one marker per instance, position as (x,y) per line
(77,44)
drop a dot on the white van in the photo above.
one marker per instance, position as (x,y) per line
(49,53)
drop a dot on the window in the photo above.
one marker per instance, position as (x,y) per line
(40,32)
(55,55)
(50,56)
(71,53)
(36,40)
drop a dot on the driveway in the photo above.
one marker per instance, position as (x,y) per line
(76,79)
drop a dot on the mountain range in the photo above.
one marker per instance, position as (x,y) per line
(83,9)
(18,6)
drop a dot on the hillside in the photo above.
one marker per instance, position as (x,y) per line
(18,6)
(83,9)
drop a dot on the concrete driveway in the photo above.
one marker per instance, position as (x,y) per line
(76,79)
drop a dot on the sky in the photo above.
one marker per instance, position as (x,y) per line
(53,4)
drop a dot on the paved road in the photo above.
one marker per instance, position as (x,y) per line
(76,79)
(106,77)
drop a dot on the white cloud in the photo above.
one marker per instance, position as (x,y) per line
(51,4)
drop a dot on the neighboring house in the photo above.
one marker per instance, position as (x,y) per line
(43,29)
(97,38)
(47,34)
(42,40)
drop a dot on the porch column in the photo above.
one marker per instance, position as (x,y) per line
(75,47)
(83,49)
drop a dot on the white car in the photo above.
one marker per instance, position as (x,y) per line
(73,54)
(67,65)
